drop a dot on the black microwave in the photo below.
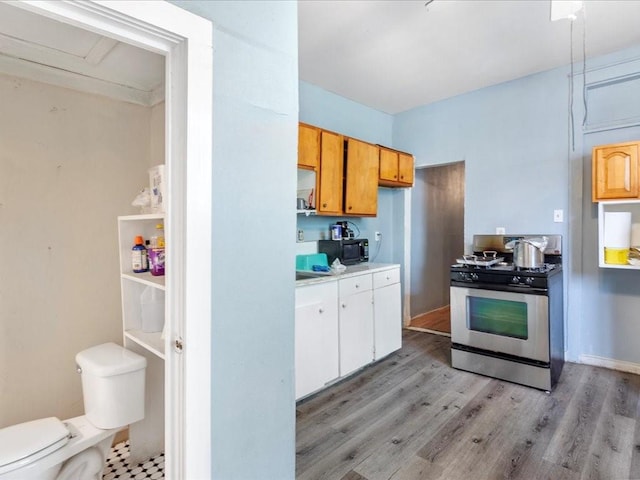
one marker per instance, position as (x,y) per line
(350,251)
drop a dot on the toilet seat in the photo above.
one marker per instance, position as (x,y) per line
(27,442)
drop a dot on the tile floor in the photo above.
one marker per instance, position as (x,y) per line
(118,467)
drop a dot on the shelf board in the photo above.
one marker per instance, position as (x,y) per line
(145,278)
(620,267)
(306,212)
(149,341)
(143,216)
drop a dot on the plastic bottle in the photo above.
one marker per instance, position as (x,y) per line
(152,309)
(156,252)
(160,235)
(139,260)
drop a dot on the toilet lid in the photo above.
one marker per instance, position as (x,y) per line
(26,442)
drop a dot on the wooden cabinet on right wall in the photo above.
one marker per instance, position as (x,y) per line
(615,172)
(396,168)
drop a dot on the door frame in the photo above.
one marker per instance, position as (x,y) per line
(186,42)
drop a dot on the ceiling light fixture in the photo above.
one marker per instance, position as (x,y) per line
(565,9)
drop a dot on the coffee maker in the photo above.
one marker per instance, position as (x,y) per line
(346,231)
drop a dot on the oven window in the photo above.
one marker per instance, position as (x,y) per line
(500,317)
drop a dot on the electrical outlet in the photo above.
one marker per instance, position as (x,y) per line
(500,231)
(378,235)
(558,216)
(301,235)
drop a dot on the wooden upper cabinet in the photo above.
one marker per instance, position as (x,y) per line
(396,168)
(308,146)
(615,172)
(361,179)
(405,168)
(329,179)
(388,165)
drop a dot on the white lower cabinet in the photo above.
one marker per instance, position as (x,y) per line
(343,325)
(356,323)
(387,312)
(316,337)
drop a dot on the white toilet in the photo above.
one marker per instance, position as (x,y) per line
(76,449)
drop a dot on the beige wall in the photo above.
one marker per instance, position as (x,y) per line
(70,163)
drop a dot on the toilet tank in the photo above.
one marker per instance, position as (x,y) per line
(112,385)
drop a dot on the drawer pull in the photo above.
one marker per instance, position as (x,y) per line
(321,310)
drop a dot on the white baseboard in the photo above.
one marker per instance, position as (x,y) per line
(610,363)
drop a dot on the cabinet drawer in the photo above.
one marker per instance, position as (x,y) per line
(319,294)
(387,277)
(352,285)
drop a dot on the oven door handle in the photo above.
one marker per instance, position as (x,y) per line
(503,288)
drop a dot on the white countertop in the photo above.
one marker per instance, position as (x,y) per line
(351,271)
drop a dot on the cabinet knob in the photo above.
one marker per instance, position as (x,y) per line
(401,177)
(344,305)
(324,205)
(395,176)
(350,207)
(357,285)
(321,310)
(388,277)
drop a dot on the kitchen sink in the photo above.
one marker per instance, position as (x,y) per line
(307,275)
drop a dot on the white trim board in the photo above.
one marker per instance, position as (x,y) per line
(185,40)
(610,363)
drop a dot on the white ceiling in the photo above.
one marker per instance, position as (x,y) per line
(389,55)
(45,50)
(397,55)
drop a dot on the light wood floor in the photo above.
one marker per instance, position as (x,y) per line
(411,417)
(437,320)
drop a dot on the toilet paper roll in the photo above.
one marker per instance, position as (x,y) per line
(635,234)
(617,229)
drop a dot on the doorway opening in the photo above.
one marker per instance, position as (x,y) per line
(437,239)
(184,39)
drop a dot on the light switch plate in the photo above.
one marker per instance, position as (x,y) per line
(558,216)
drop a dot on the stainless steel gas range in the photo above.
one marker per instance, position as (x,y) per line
(507,322)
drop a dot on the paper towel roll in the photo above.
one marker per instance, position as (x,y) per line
(617,229)
(635,234)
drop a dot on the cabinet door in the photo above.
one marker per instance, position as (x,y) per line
(361,182)
(316,337)
(388,165)
(387,320)
(308,146)
(405,168)
(356,331)
(615,172)
(329,182)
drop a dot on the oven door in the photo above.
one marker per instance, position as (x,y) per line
(502,322)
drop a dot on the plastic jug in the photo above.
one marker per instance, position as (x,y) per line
(152,309)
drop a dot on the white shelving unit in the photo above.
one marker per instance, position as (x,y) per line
(632,206)
(147,436)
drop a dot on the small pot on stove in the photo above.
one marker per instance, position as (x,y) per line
(529,253)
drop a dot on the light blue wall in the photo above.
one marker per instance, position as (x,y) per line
(513,139)
(330,111)
(255,95)
(608,319)
(522,164)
